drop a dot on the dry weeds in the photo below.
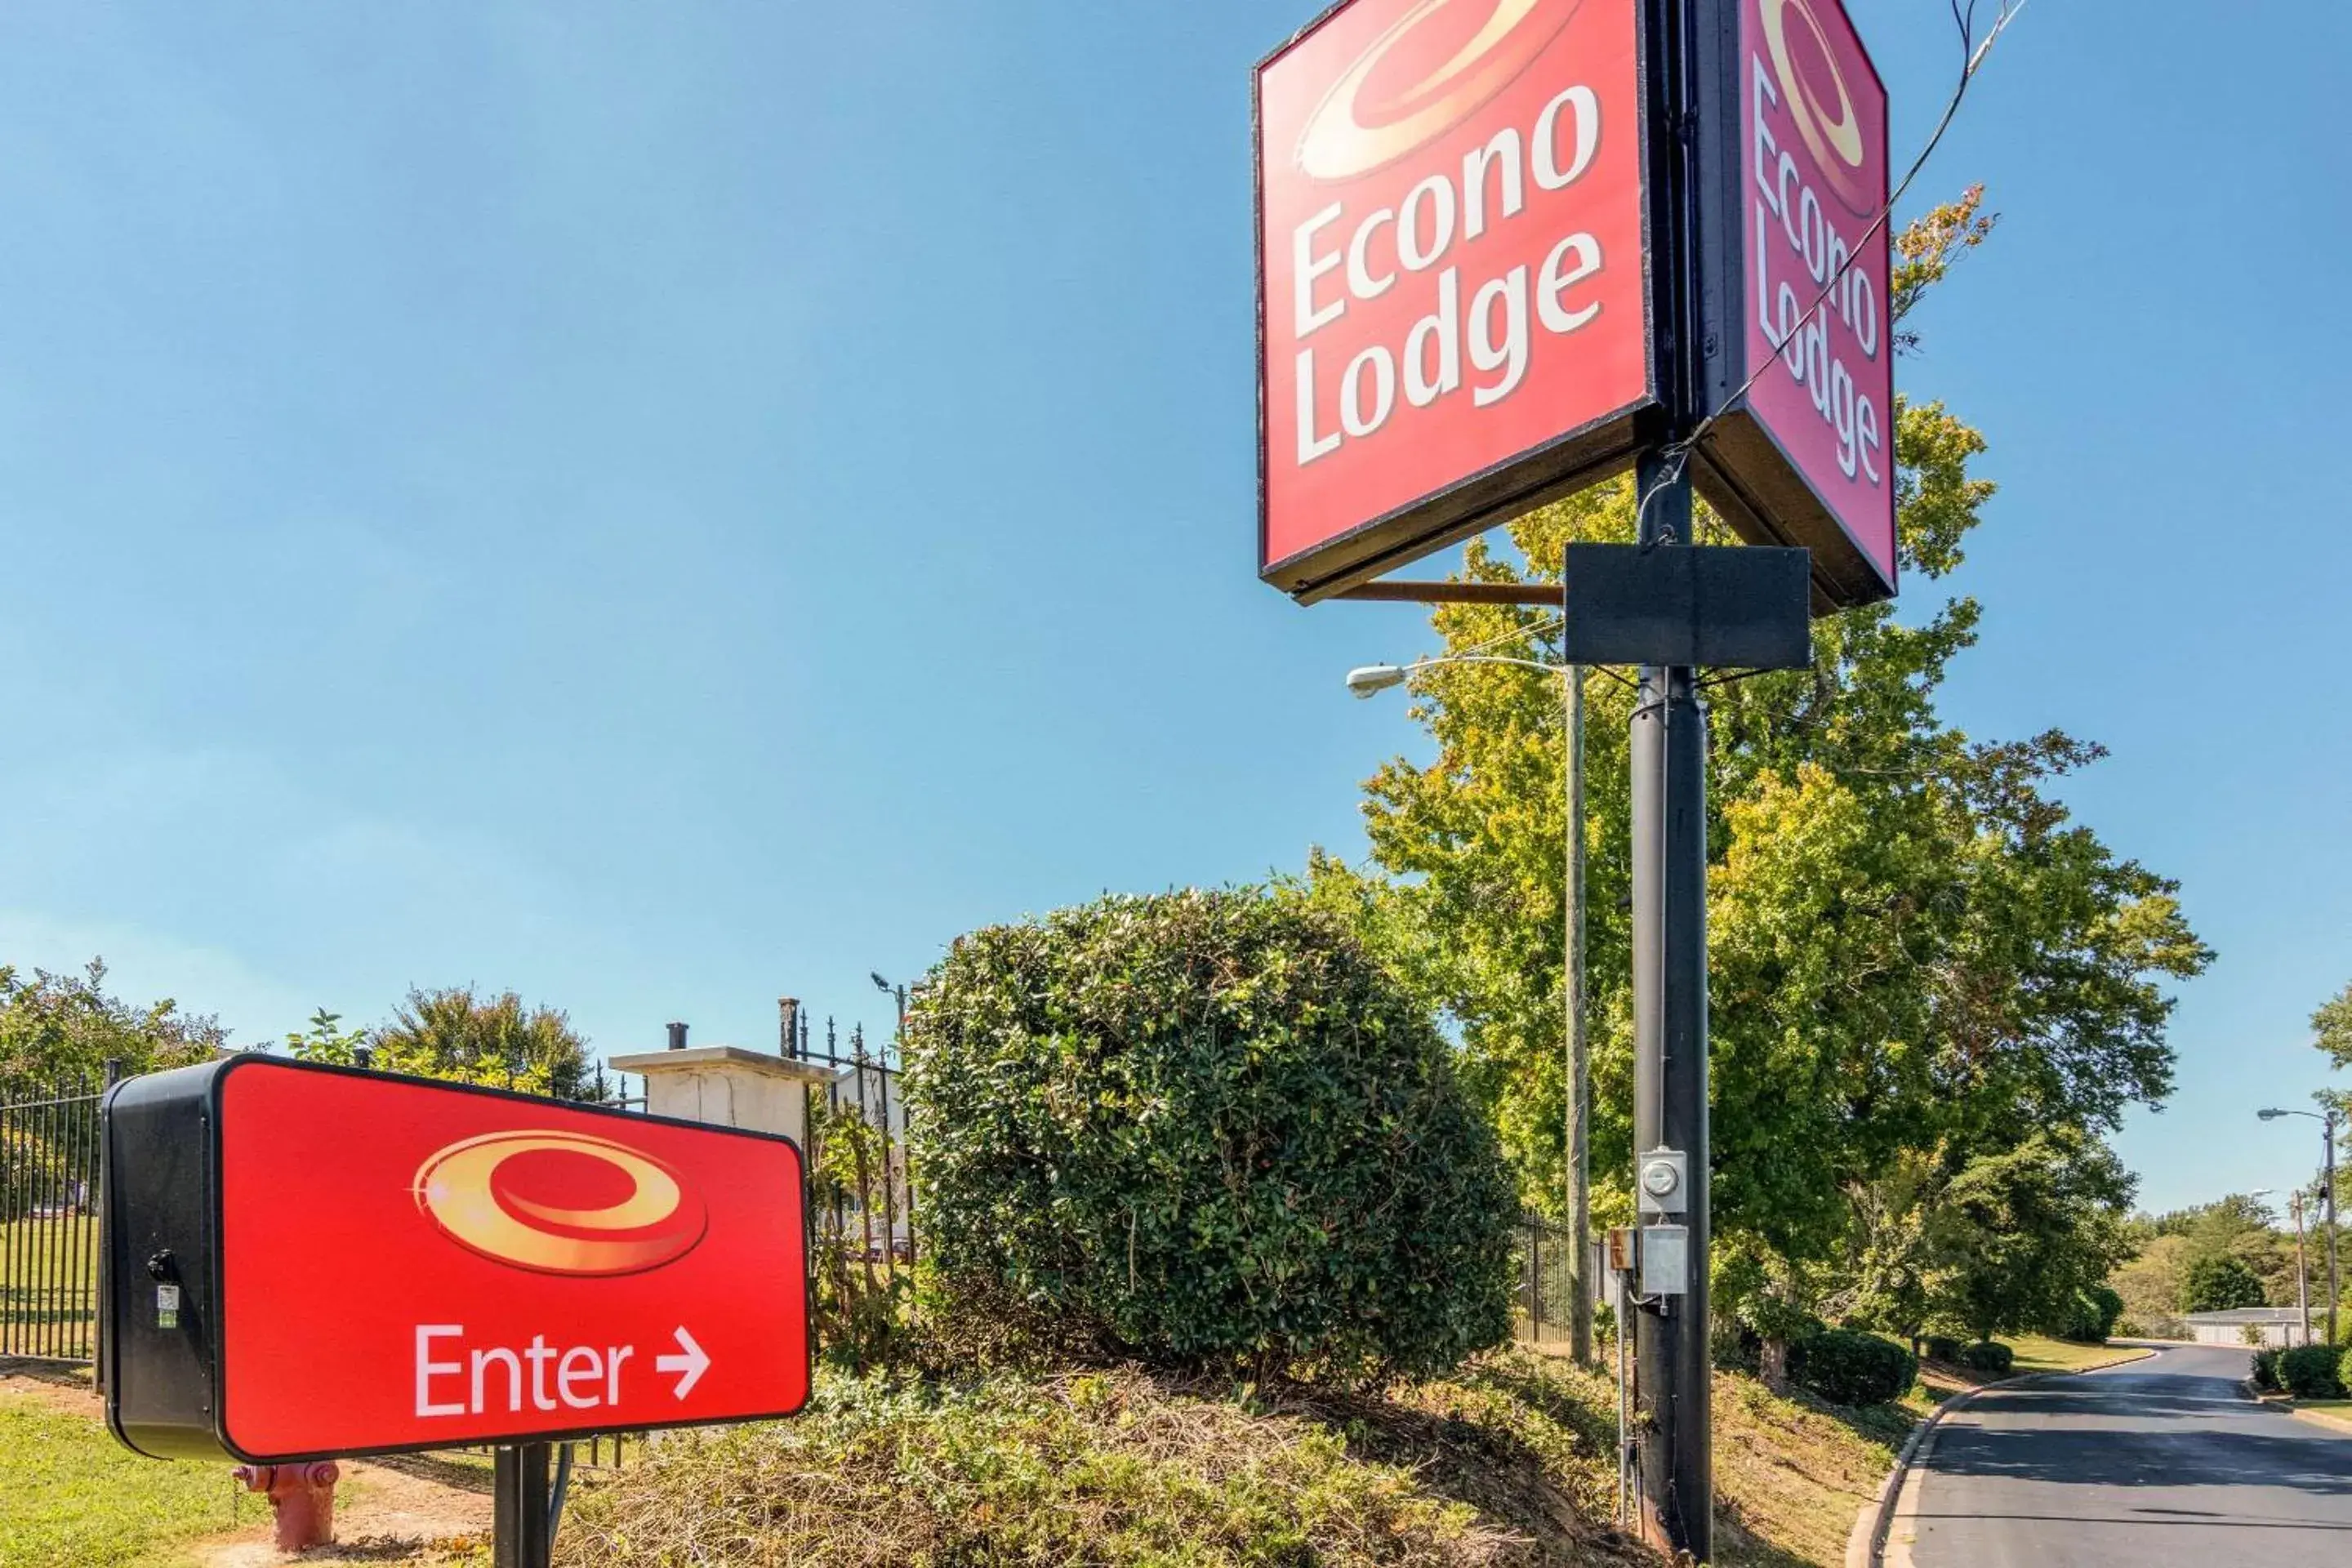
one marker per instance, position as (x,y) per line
(1505,1466)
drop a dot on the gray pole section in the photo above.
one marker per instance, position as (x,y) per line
(1579,1094)
(2335,1289)
(1669,1064)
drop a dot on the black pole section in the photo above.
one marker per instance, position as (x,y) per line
(1673,1377)
(1670,1109)
(523,1537)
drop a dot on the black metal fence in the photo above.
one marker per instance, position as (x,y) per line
(1542,1310)
(857,1150)
(48,1222)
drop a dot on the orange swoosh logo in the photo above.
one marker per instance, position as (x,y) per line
(1354,131)
(467,1189)
(1832,132)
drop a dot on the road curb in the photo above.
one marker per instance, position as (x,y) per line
(1865,1547)
(1867,1544)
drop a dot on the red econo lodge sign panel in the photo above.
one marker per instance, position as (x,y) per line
(403,1264)
(1813,158)
(1451,273)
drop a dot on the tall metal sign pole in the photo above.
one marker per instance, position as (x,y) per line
(1505,251)
(1669,783)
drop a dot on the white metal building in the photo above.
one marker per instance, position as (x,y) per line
(2279,1326)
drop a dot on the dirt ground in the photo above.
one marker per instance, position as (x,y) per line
(412,1509)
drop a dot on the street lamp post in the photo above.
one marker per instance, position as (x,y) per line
(2327,1122)
(894,1169)
(897,993)
(1369,681)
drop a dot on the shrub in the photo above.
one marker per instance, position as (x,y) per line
(2091,1317)
(1943,1348)
(2312,1372)
(1990,1356)
(2266,1369)
(2343,1376)
(1206,1128)
(1847,1367)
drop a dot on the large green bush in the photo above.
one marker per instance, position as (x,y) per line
(1989,1356)
(1205,1127)
(1846,1367)
(2312,1372)
(2091,1316)
(2266,1369)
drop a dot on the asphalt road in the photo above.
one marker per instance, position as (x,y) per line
(2161,1461)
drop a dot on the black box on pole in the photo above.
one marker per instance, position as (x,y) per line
(1734,608)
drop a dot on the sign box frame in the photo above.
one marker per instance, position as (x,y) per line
(166,1387)
(1564,463)
(1742,468)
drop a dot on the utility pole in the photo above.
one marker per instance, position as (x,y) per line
(1580,1092)
(2302,1274)
(2328,1124)
(2335,1289)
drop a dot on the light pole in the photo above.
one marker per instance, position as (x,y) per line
(894,1167)
(2329,1122)
(897,993)
(1372,679)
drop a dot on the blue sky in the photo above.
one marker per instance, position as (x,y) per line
(661,508)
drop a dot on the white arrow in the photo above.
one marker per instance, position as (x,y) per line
(692,1364)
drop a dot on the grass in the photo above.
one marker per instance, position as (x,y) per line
(2035,1353)
(1508,1463)
(1791,1473)
(49,1286)
(70,1494)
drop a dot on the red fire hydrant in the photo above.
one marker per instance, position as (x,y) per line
(302,1496)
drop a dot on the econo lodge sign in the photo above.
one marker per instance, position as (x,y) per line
(1451,275)
(367,1262)
(1807,456)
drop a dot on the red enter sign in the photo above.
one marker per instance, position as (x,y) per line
(405,1265)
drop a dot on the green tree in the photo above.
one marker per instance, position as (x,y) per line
(1914,952)
(64,1028)
(2150,1282)
(2220,1284)
(2023,1235)
(452,1033)
(2331,1030)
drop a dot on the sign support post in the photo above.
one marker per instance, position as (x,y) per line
(1670,1074)
(522,1530)
(1655,231)
(1674,1376)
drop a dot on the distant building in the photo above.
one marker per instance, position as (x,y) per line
(2280,1326)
